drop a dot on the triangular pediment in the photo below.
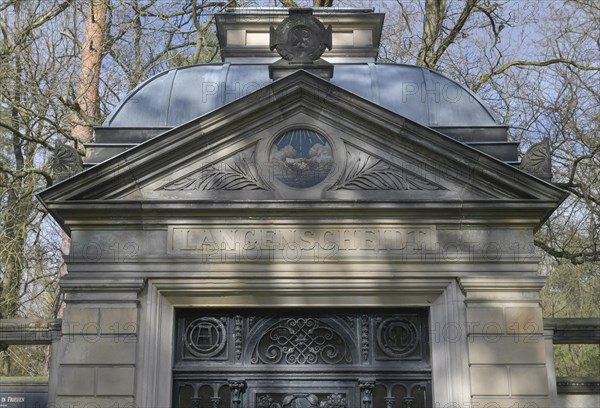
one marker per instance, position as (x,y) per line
(357,173)
(302,138)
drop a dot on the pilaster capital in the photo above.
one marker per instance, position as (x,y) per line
(502,288)
(99,290)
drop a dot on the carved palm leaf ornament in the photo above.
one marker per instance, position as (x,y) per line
(366,172)
(235,173)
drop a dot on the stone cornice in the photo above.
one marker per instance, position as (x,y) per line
(524,288)
(100,290)
(497,283)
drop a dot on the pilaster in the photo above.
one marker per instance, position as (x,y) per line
(97,351)
(505,337)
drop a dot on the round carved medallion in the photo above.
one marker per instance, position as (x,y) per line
(301,158)
(397,337)
(300,38)
(205,337)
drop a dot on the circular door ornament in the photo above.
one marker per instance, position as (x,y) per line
(397,337)
(205,337)
(301,37)
(301,158)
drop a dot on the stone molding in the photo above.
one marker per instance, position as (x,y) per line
(99,290)
(162,296)
(520,289)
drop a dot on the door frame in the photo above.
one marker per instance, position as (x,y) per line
(447,322)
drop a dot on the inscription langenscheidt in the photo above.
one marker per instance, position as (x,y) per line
(296,244)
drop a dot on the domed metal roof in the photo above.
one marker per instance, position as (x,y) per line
(179,95)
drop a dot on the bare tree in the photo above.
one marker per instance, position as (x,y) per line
(27,125)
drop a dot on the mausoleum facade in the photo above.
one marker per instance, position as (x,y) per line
(301,226)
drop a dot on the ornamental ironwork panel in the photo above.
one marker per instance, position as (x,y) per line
(376,358)
(301,340)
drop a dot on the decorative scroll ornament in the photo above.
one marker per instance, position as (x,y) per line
(537,160)
(66,162)
(397,337)
(235,173)
(205,337)
(299,341)
(366,172)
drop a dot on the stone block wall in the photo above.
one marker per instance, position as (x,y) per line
(97,356)
(507,352)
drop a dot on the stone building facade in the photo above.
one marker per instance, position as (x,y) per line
(300,226)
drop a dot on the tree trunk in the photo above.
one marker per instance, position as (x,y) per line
(87,104)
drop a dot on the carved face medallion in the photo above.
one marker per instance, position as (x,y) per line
(301,158)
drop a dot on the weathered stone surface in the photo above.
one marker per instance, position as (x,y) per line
(115,380)
(526,320)
(489,380)
(98,350)
(75,380)
(118,321)
(529,380)
(77,320)
(507,350)
(485,320)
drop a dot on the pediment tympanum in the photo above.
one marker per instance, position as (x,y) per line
(303,163)
(302,138)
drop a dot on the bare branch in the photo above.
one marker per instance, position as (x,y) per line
(576,258)
(520,63)
(454,32)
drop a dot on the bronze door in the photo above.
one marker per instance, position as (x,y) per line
(256,358)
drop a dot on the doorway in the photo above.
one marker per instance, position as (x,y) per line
(306,358)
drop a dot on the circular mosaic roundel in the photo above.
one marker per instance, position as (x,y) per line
(397,337)
(205,337)
(301,158)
